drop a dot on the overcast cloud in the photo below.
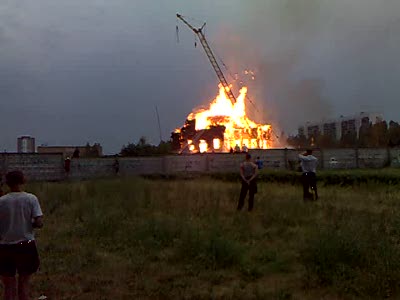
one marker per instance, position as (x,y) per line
(76,71)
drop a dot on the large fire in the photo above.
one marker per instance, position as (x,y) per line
(223,127)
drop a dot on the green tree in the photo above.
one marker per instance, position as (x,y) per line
(379,135)
(325,141)
(394,134)
(143,148)
(164,147)
(142,141)
(364,135)
(348,140)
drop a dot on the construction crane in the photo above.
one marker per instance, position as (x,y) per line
(199,33)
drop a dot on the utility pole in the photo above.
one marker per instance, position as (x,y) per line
(159,124)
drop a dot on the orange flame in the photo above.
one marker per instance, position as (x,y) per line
(240,131)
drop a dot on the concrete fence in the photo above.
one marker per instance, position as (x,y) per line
(34,166)
(51,166)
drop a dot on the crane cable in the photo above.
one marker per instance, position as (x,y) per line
(177,32)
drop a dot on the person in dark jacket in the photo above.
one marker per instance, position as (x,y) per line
(67,166)
(248,174)
(116,166)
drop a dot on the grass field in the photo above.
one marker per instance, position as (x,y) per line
(156,239)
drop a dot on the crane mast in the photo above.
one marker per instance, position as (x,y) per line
(211,57)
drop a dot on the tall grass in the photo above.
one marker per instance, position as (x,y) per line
(139,238)
(358,253)
(357,177)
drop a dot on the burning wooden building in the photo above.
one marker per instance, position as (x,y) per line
(221,127)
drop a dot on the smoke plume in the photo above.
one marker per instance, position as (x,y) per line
(316,59)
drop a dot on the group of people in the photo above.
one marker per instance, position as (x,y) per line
(238,150)
(249,172)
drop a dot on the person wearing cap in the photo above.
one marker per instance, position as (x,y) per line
(248,174)
(20,213)
(308,163)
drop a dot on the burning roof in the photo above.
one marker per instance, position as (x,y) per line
(221,127)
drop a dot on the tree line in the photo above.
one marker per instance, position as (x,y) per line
(144,148)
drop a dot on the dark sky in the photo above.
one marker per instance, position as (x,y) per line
(75,71)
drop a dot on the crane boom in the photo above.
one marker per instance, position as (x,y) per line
(211,57)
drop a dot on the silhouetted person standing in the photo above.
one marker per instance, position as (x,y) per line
(20,213)
(309,164)
(67,166)
(248,173)
(76,153)
(116,166)
(259,163)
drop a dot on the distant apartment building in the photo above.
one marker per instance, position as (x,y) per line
(330,129)
(70,151)
(26,144)
(336,128)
